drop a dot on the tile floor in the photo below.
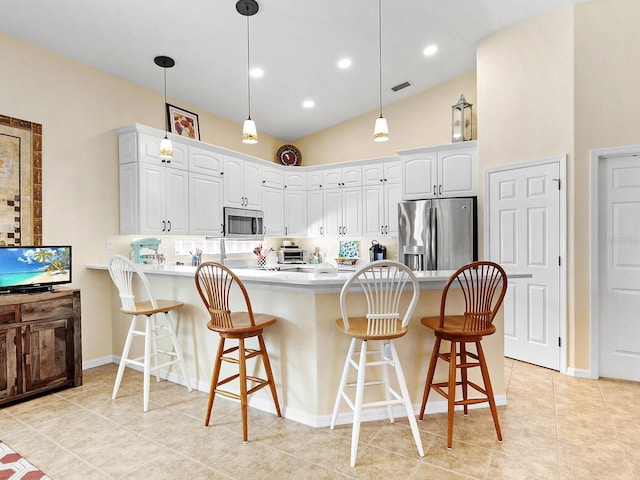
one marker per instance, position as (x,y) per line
(554,427)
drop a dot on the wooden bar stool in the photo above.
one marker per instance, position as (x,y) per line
(483,285)
(214,282)
(382,283)
(123,271)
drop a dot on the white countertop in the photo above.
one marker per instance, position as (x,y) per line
(310,282)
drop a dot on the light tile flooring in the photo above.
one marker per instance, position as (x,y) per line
(554,427)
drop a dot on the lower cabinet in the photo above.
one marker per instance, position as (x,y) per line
(40,343)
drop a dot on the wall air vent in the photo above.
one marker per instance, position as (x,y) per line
(400,86)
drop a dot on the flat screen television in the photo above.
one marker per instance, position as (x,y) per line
(34,268)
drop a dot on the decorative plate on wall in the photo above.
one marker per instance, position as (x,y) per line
(289,155)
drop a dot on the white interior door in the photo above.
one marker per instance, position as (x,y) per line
(524,235)
(619,258)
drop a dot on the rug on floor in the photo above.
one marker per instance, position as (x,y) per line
(14,466)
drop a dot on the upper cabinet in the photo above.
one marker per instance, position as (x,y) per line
(349,176)
(242,183)
(443,171)
(382,171)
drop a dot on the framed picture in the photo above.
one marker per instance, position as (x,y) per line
(20,182)
(182,122)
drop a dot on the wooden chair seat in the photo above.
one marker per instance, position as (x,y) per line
(147,308)
(359,328)
(215,283)
(483,286)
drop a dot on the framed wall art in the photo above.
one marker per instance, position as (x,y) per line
(183,122)
(20,182)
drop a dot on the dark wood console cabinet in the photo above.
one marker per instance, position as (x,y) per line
(40,343)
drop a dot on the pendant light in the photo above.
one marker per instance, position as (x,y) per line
(381,130)
(166,149)
(248,8)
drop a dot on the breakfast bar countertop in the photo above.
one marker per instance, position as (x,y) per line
(287,277)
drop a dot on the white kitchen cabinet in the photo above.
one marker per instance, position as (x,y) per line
(315,213)
(295,179)
(350,176)
(205,205)
(383,171)
(444,171)
(273,208)
(205,161)
(272,177)
(342,209)
(242,183)
(314,179)
(154,199)
(142,147)
(295,213)
(380,209)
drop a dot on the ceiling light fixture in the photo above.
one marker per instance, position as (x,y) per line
(308,104)
(344,63)
(430,50)
(166,149)
(381,130)
(248,8)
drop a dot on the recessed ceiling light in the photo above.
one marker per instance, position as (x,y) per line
(344,63)
(256,72)
(430,50)
(308,104)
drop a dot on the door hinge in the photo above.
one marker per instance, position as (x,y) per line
(556,180)
(559,342)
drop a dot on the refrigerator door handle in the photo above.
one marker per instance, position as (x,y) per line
(433,244)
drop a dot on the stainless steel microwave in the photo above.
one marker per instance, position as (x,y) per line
(243,223)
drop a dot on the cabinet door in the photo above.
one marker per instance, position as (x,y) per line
(351,176)
(149,151)
(393,196)
(314,179)
(233,183)
(205,205)
(295,180)
(8,361)
(332,178)
(393,171)
(252,185)
(315,213)
(332,212)
(457,173)
(205,161)
(151,195)
(47,348)
(373,174)
(295,210)
(352,211)
(273,205)
(272,177)
(177,202)
(373,210)
(420,176)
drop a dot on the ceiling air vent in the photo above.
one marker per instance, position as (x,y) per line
(400,86)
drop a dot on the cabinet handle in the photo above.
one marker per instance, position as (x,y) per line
(435,192)
(382,179)
(386,229)
(164,225)
(286,230)
(440,192)
(321,230)
(169,224)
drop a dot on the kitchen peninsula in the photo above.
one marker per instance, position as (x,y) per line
(306,349)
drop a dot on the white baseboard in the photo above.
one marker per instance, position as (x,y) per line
(579,373)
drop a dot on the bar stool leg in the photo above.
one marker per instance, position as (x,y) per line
(176,349)
(489,389)
(214,379)
(123,358)
(357,411)
(242,363)
(430,374)
(451,395)
(269,372)
(147,360)
(343,382)
(385,379)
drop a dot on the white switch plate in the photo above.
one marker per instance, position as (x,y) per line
(109,243)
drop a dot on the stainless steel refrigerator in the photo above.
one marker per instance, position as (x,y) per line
(437,234)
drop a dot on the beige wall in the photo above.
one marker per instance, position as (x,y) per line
(420,120)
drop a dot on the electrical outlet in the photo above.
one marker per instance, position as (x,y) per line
(109,243)
(180,335)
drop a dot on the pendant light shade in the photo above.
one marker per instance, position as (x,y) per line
(248,8)
(166,149)
(381,129)
(249,133)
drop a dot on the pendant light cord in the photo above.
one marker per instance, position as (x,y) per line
(166,113)
(380,53)
(248,70)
